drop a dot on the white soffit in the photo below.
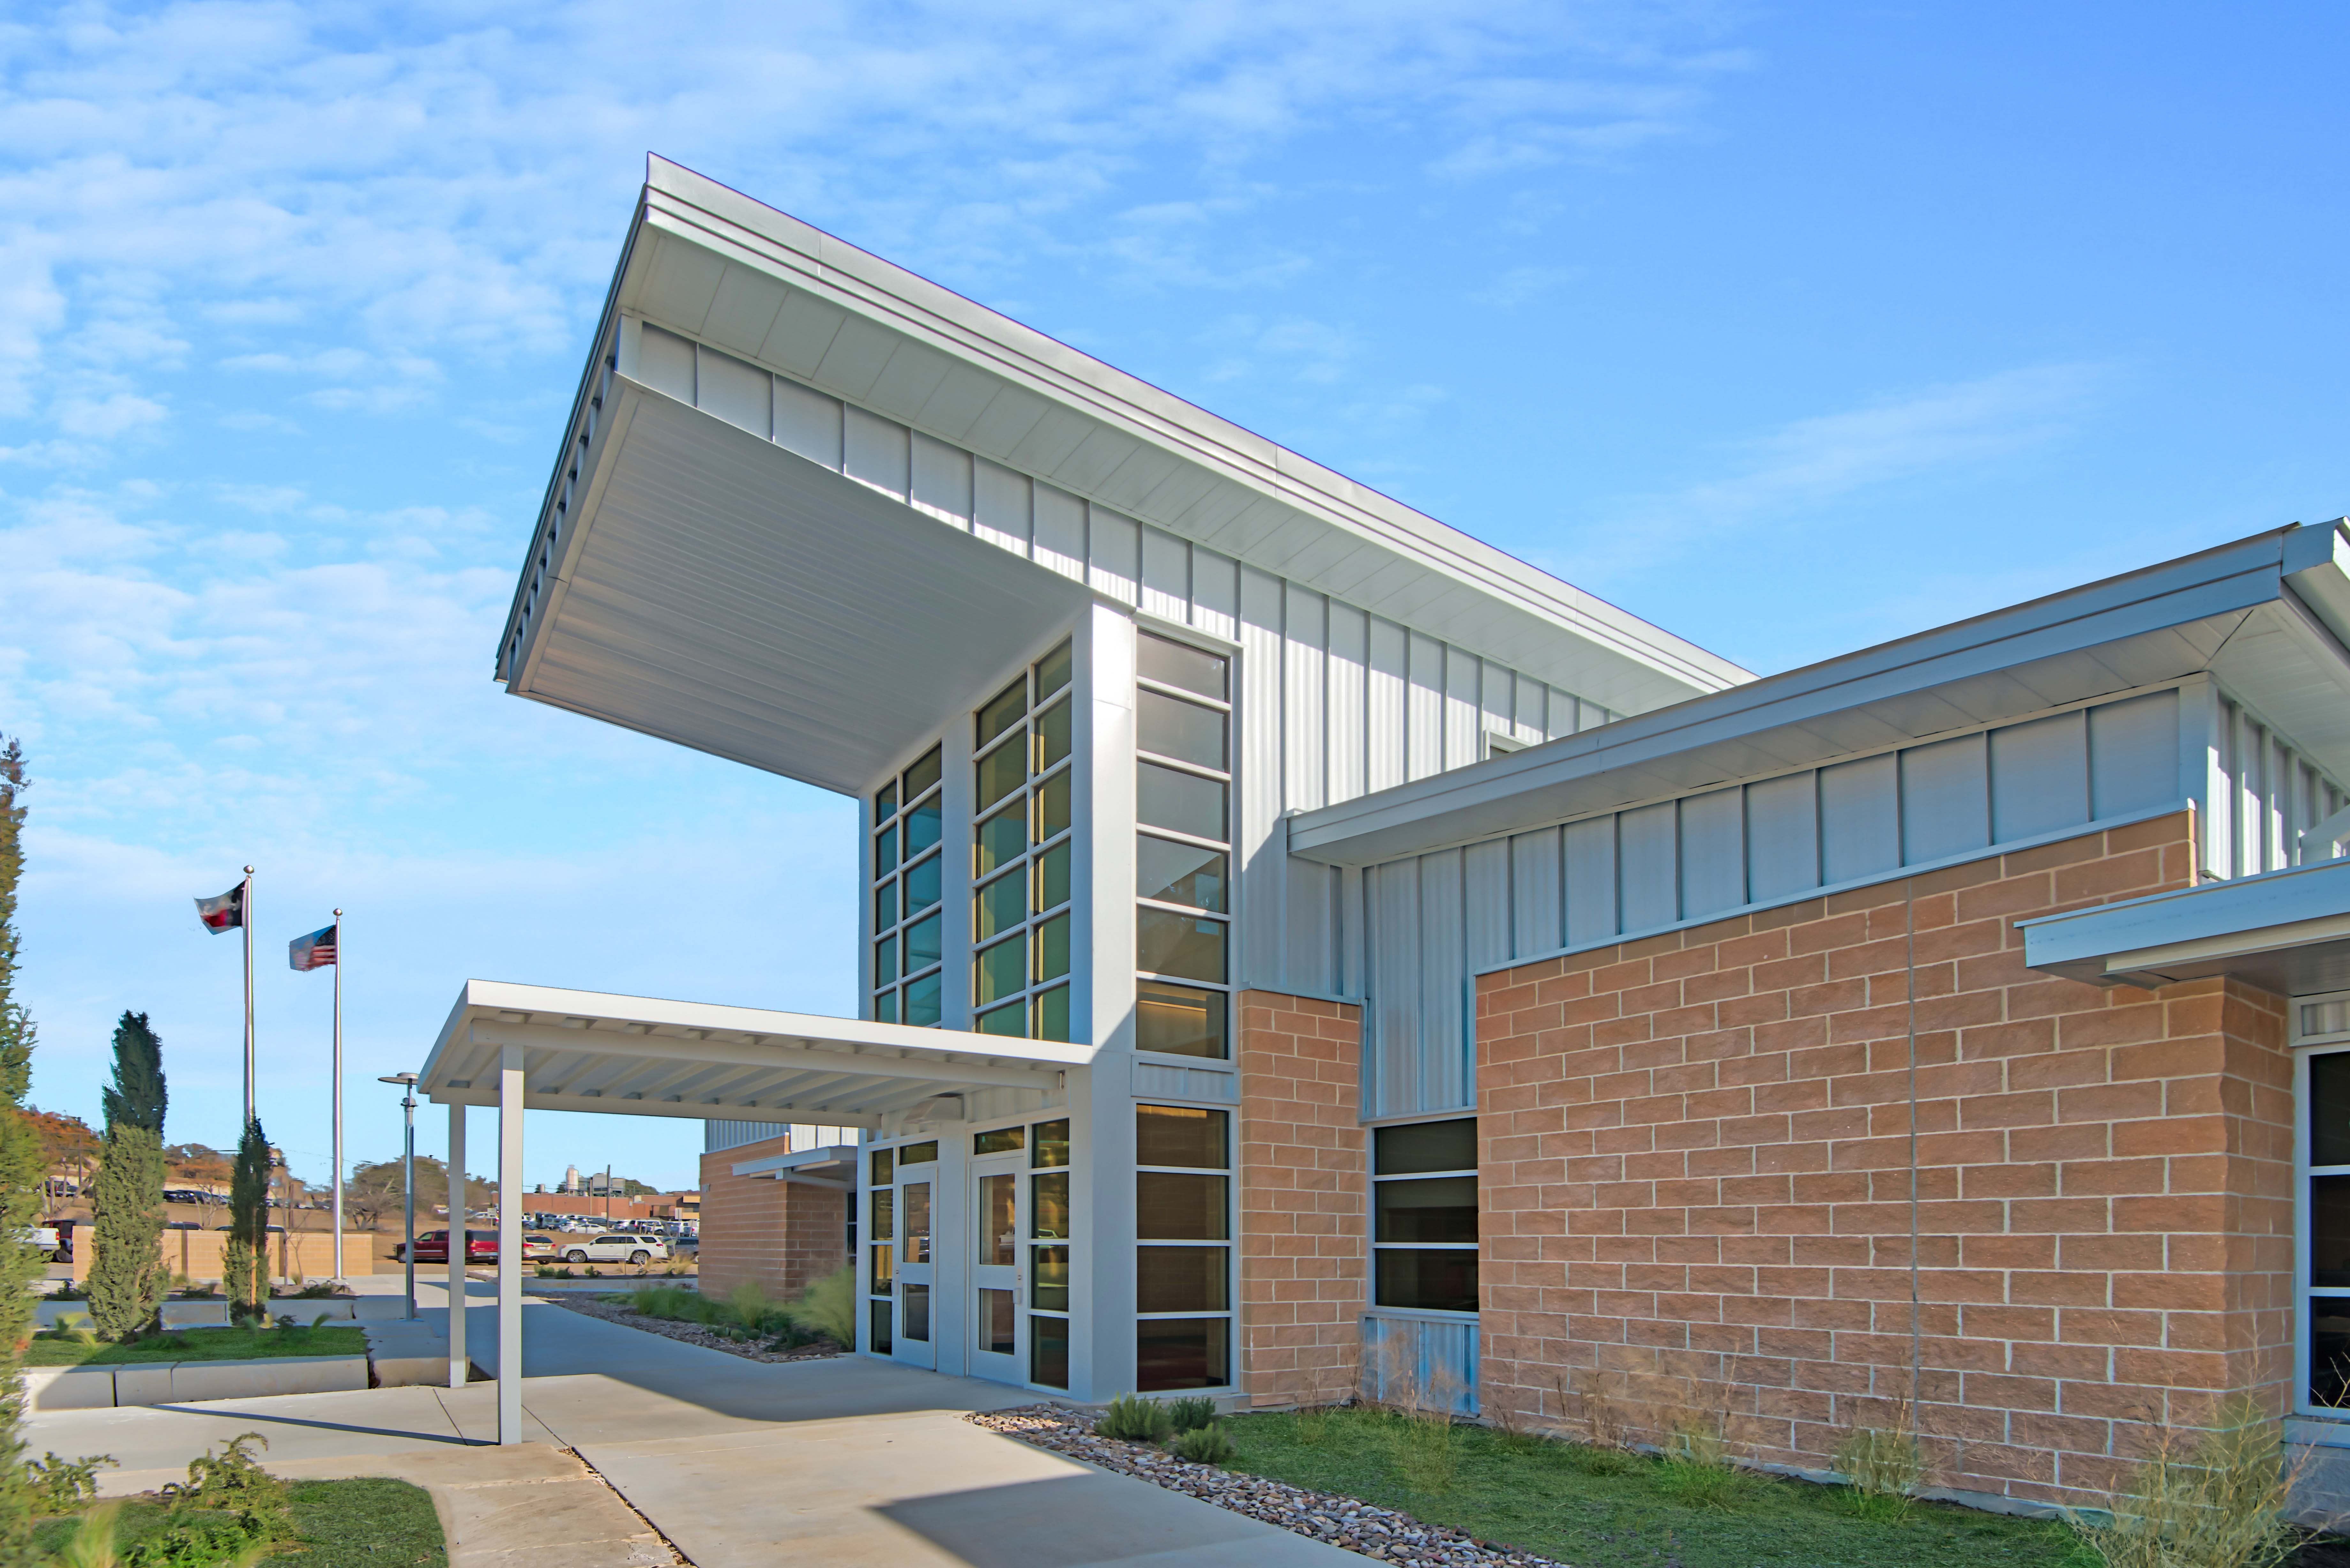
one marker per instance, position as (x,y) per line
(723,593)
(629,1055)
(2168,621)
(714,266)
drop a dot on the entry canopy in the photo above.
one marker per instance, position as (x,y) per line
(629,1055)
(2287,931)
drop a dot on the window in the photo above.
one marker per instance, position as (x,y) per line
(1020,913)
(2322,1153)
(1048,1255)
(1182,853)
(1183,1260)
(1424,1216)
(907,881)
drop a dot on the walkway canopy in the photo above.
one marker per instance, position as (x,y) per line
(534,1047)
(2287,931)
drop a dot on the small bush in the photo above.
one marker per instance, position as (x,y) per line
(1205,1445)
(234,1482)
(828,1307)
(1131,1419)
(1192,1412)
(1697,1470)
(2218,1504)
(61,1486)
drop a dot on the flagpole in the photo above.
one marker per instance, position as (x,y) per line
(338,1096)
(246,907)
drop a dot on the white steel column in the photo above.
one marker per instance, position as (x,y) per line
(510,1098)
(459,1364)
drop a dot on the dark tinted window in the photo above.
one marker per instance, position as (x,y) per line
(1425,1146)
(2329,1108)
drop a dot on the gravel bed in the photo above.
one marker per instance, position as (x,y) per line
(1345,1521)
(691,1333)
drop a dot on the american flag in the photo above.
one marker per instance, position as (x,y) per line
(315,951)
(225,913)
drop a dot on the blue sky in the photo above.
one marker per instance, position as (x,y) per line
(1791,329)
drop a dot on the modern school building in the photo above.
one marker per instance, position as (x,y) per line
(1304,949)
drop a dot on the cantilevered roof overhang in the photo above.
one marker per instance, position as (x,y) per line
(682,582)
(2269,616)
(2288,931)
(629,1055)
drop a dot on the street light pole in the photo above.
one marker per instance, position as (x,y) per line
(407,1082)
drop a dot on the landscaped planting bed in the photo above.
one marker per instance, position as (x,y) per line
(201,1344)
(1416,1493)
(733,1342)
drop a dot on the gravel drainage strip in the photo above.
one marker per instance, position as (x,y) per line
(1344,1521)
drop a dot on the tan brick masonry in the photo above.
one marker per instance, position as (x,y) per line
(779,1234)
(1302,1175)
(1696,1179)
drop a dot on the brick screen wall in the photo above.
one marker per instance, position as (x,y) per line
(1697,1178)
(783,1235)
(1303,1176)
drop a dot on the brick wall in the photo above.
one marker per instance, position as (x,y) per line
(1302,1176)
(1697,1178)
(781,1235)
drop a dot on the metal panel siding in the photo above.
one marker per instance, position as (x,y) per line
(1347,735)
(1945,799)
(1783,835)
(1002,506)
(1485,903)
(1305,630)
(1430,1363)
(808,423)
(1258,809)
(1461,719)
(1165,576)
(1215,594)
(1713,853)
(1590,861)
(1383,726)
(718,1136)
(1060,537)
(1497,702)
(1391,894)
(875,451)
(1536,893)
(665,363)
(942,480)
(1444,1076)
(2133,755)
(1113,554)
(1860,818)
(1423,706)
(2039,776)
(735,391)
(1649,882)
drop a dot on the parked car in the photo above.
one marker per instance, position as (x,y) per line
(433,1247)
(536,1246)
(614,1247)
(42,1239)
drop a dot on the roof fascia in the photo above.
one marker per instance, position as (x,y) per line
(689,207)
(2131,942)
(1502,796)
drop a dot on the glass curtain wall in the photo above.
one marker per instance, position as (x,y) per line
(1183,1255)
(1020,917)
(1048,1253)
(908,937)
(1182,856)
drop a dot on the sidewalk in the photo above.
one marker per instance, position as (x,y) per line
(848,1461)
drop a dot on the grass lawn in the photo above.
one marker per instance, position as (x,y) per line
(368,1523)
(1602,1510)
(203,1345)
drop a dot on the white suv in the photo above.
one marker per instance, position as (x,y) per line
(613,1247)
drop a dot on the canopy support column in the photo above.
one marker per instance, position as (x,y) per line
(460,1364)
(510,1103)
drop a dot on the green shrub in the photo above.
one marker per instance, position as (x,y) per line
(1192,1413)
(1131,1419)
(1205,1445)
(828,1307)
(2218,1504)
(61,1486)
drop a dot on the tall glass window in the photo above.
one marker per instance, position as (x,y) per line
(2321,1025)
(1182,853)
(1048,1254)
(907,946)
(1424,1216)
(1183,1256)
(1021,917)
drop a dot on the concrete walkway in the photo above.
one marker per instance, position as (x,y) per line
(847,1462)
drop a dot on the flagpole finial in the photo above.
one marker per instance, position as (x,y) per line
(248,870)
(339,914)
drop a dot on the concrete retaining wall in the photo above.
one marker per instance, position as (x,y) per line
(181,1382)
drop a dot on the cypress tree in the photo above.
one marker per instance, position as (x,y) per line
(127,1277)
(244,1265)
(20,1179)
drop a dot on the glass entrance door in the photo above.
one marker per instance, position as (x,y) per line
(916,1183)
(998,1275)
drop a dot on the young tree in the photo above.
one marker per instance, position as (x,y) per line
(127,1277)
(244,1262)
(20,1179)
(69,1147)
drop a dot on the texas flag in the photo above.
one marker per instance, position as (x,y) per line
(315,951)
(225,913)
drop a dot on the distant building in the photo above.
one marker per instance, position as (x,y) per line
(1302,948)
